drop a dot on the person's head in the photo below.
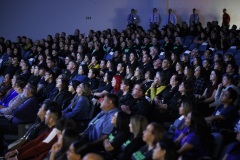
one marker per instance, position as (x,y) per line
(138,91)
(53,114)
(116,82)
(72,66)
(84,89)
(154,10)
(126,85)
(157,63)
(121,121)
(194,10)
(175,80)
(62,83)
(229,96)
(227,80)
(110,101)
(43,109)
(29,91)
(231,68)
(215,76)
(7,78)
(160,78)
(224,10)
(68,136)
(108,77)
(19,85)
(153,133)
(49,75)
(83,69)
(77,150)
(121,67)
(165,149)
(137,125)
(186,88)
(93,72)
(179,66)
(166,63)
(72,87)
(93,156)
(198,72)
(186,107)
(25,65)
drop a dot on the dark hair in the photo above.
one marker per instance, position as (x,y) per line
(95,71)
(229,77)
(113,98)
(109,76)
(84,68)
(65,83)
(189,88)
(199,125)
(55,110)
(81,147)
(142,88)
(47,103)
(69,136)
(75,83)
(158,132)
(232,94)
(128,83)
(64,123)
(170,148)
(32,88)
(122,122)
(20,83)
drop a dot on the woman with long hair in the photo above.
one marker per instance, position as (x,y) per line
(165,150)
(196,140)
(60,148)
(79,109)
(137,125)
(118,136)
(151,135)
(116,83)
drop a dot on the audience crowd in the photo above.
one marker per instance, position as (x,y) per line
(131,94)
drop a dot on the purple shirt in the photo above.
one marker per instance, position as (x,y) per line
(198,149)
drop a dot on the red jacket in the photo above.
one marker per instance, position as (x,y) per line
(37,149)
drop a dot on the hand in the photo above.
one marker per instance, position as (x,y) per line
(55,147)
(220,86)
(10,154)
(13,158)
(125,109)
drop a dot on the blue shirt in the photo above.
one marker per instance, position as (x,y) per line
(233,152)
(100,125)
(11,94)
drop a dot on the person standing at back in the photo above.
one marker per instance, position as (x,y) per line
(171,17)
(154,19)
(132,19)
(194,17)
(225,18)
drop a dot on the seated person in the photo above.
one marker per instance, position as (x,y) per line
(233,151)
(40,146)
(196,141)
(5,86)
(151,135)
(135,142)
(118,136)
(15,102)
(224,115)
(11,94)
(100,126)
